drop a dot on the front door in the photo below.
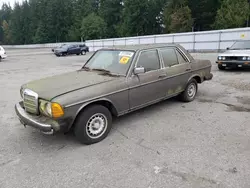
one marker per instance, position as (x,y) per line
(177,68)
(146,88)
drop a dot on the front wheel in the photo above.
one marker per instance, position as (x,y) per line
(93,124)
(190,92)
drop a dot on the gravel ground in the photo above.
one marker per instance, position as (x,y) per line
(201,144)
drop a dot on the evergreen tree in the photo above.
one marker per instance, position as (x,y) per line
(203,13)
(93,27)
(232,14)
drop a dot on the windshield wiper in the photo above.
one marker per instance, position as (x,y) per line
(103,70)
(86,68)
(107,72)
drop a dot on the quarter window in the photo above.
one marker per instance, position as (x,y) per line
(180,58)
(169,57)
(149,60)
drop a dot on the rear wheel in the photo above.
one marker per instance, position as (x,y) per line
(93,124)
(0,58)
(220,67)
(190,92)
(83,52)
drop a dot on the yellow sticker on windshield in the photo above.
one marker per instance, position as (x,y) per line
(124,60)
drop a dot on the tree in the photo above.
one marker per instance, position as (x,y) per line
(203,13)
(232,14)
(177,16)
(140,17)
(181,20)
(17,25)
(110,11)
(6,32)
(80,10)
(93,27)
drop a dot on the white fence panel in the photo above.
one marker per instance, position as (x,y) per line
(119,42)
(147,40)
(164,39)
(184,38)
(206,40)
(207,37)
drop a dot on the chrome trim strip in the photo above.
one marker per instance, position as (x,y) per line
(31,93)
(27,119)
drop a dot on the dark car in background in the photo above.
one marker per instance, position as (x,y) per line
(71,49)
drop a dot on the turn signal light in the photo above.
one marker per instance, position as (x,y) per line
(57,110)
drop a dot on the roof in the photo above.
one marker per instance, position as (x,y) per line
(142,46)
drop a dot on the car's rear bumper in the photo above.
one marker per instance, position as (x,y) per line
(3,56)
(42,123)
(208,77)
(234,64)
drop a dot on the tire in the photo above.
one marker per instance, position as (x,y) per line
(220,67)
(188,95)
(0,58)
(83,130)
(83,53)
(77,54)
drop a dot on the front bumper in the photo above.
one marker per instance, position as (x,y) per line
(44,124)
(234,64)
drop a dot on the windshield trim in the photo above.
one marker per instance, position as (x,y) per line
(239,41)
(110,49)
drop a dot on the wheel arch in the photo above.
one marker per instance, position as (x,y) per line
(104,102)
(197,77)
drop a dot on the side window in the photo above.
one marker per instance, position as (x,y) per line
(180,58)
(149,60)
(169,57)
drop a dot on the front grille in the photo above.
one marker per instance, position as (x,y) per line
(30,101)
(233,58)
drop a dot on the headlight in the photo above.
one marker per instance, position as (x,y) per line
(244,58)
(223,58)
(220,58)
(248,58)
(54,110)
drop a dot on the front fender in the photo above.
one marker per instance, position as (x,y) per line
(86,104)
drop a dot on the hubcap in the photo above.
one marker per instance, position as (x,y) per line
(191,90)
(96,126)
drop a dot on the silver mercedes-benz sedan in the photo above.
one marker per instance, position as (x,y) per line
(237,56)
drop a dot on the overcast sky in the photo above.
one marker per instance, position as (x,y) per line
(9,1)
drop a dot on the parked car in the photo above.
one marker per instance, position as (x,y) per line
(3,54)
(113,82)
(53,49)
(237,56)
(70,49)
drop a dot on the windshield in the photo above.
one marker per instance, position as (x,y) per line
(240,45)
(113,61)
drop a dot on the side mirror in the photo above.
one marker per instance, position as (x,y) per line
(139,70)
(228,48)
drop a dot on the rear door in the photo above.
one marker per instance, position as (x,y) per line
(177,68)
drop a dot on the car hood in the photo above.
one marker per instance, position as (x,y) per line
(51,87)
(236,53)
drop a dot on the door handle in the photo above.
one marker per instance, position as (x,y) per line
(188,69)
